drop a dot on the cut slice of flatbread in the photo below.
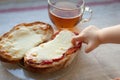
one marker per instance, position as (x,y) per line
(52,55)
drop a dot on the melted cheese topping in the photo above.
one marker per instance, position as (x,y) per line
(53,49)
(22,40)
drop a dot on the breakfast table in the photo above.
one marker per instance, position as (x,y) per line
(103,63)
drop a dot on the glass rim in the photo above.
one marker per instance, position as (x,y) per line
(50,3)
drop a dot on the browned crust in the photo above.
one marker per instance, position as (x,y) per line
(4,55)
(48,27)
(68,57)
(52,67)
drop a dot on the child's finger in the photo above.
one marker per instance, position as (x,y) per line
(77,39)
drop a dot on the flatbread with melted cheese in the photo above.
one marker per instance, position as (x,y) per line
(52,55)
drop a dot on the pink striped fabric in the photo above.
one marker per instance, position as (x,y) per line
(106,2)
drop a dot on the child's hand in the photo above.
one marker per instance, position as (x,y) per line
(89,36)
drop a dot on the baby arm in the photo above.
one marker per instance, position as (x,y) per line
(93,36)
(110,34)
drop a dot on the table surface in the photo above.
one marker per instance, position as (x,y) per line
(101,64)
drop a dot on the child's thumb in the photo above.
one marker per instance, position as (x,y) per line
(77,39)
(80,37)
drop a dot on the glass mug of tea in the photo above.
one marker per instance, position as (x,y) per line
(67,13)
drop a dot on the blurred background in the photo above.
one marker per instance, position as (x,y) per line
(105,12)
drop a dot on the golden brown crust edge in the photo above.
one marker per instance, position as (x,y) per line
(27,25)
(51,67)
(4,56)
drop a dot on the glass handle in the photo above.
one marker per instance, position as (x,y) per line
(87,10)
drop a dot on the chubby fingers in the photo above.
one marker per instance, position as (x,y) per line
(78,39)
(85,38)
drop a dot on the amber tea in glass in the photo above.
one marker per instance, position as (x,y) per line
(65,13)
